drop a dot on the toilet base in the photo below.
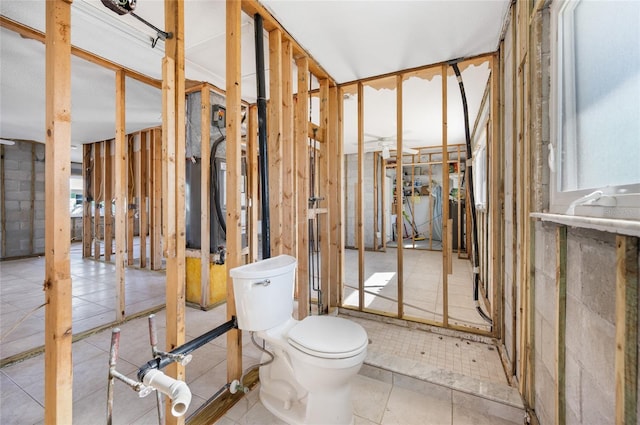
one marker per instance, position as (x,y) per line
(315,410)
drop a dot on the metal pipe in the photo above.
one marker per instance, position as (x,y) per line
(262,136)
(166,359)
(153,340)
(113,356)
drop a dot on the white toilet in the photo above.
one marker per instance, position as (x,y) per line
(309,381)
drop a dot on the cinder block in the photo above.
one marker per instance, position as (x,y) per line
(598,403)
(573,379)
(597,274)
(545,399)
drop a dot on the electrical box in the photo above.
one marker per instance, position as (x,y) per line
(218,116)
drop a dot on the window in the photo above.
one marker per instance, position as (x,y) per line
(596,112)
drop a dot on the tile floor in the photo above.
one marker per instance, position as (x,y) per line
(422,285)
(93,298)
(410,375)
(382,394)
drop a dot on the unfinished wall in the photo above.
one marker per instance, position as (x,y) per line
(22,209)
(590,315)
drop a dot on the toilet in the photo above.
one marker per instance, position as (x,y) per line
(309,380)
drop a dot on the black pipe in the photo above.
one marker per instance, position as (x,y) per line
(187,348)
(469,175)
(222,220)
(262,136)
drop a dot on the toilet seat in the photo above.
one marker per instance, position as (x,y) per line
(328,337)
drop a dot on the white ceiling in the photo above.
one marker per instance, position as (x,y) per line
(350,39)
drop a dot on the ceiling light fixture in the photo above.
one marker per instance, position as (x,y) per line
(7,142)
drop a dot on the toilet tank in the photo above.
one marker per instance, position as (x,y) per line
(264,292)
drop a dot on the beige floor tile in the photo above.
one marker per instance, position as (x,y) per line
(259,415)
(406,407)
(369,397)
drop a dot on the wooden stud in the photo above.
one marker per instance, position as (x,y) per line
(136,194)
(3,207)
(445,205)
(142,199)
(205,201)
(252,165)
(32,198)
(399,193)
(340,228)
(561,322)
(376,210)
(274,121)
(360,198)
(108,197)
(289,230)
(33,34)
(87,167)
(333,194)
(496,196)
(120,167)
(131,202)
(302,185)
(234,153)
(156,199)
(626,367)
(96,183)
(58,364)
(324,186)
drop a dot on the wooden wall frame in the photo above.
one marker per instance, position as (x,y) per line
(58,365)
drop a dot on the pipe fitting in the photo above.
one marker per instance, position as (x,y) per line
(176,390)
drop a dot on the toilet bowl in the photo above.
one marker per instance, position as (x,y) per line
(308,381)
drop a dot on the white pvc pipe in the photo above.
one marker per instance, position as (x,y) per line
(176,390)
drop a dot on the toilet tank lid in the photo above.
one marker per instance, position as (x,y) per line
(332,336)
(270,267)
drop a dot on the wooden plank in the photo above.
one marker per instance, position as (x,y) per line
(58,364)
(173,134)
(108,197)
(137,189)
(376,212)
(288,153)
(302,185)
(33,34)
(399,194)
(234,154)
(205,199)
(142,199)
(626,367)
(561,322)
(252,165)
(340,228)
(333,195)
(120,168)
(131,202)
(96,183)
(496,197)
(274,141)
(156,199)
(87,166)
(445,203)
(360,198)
(316,132)
(324,194)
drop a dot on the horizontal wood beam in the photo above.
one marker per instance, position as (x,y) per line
(33,34)
(316,132)
(251,7)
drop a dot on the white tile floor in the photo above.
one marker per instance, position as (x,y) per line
(422,286)
(410,376)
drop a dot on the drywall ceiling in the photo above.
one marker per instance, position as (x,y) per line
(350,39)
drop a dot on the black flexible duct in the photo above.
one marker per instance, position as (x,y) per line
(214,182)
(262,136)
(469,175)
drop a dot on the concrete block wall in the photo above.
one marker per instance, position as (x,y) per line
(21,171)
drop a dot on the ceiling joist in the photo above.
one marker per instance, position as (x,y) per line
(33,34)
